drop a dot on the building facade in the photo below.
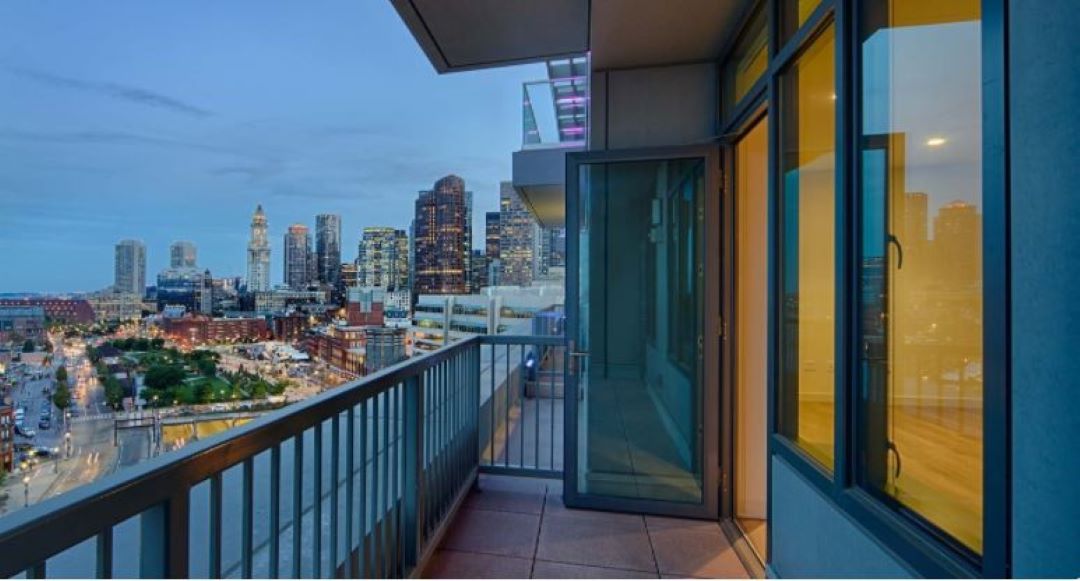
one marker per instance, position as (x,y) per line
(297,255)
(441,238)
(183,254)
(22,323)
(383,347)
(519,236)
(66,311)
(328,248)
(130,267)
(197,329)
(383,258)
(258,254)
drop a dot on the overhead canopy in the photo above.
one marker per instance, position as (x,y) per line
(459,35)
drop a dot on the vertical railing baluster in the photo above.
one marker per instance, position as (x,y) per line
(104,560)
(316,526)
(376,523)
(506,409)
(275,511)
(298,505)
(491,408)
(37,571)
(551,399)
(215,526)
(247,520)
(412,488)
(153,541)
(365,538)
(536,405)
(522,375)
(394,525)
(384,509)
(429,447)
(335,450)
(350,453)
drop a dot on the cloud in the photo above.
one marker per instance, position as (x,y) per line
(131,94)
(107,137)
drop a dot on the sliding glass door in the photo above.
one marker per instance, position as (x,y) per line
(642,395)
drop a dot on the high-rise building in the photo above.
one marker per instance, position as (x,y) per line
(328,248)
(491,234)
(182,254)
(518,237)
(297,257)
(468,239)
(185,287)
(383,258)
(479,267)
(258,258)
(441,232)
(130,267)
(552,249)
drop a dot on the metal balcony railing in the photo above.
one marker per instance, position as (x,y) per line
(360,481)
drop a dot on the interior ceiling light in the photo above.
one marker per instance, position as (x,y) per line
(935,141)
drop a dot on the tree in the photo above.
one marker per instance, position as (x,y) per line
(164,376)
(61,374)
(28,346)
(114,392)
(61,398)
(157,344)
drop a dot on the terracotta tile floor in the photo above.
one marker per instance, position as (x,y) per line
(518,528)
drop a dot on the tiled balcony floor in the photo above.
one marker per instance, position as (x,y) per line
(519,528)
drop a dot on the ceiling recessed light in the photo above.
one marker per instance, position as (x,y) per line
(935,141)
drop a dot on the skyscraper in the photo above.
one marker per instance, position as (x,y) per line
(297,257)
(491,234)
(328,248)
(440,245)
(258,259)
(552,249)
(182,254)
(383,258)
(130,267)
(518,237)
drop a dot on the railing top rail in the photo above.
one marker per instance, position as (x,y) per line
(538,340)
(51,526)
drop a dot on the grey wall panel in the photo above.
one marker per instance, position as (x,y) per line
(811,538)
(1044,64)
(675,105)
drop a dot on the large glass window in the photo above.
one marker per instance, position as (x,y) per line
(921,266)
(793,14)
(807,262)
(748,61)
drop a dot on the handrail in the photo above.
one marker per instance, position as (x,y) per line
(31,536)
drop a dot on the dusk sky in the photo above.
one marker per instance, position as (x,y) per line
(172,120)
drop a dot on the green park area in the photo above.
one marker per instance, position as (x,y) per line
(172,377)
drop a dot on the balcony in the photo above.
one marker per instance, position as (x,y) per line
(378,478)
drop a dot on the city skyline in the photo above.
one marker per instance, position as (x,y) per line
(106,138)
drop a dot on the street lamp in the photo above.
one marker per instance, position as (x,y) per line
(26,490)
(67,443)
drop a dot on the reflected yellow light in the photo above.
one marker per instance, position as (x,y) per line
(935,141)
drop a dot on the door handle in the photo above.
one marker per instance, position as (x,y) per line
(574,356)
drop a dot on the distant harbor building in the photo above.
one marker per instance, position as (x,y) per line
(328,248)
(187,287)
(130,267)
(383,258)
(67,311)
(182,254)
(297,255)
(21,323)
(383,347)
(258,254)
(441,240)
(518,237)
(110,306)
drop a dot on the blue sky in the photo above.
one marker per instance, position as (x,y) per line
(171,120)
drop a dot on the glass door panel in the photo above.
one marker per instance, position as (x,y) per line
(636,293)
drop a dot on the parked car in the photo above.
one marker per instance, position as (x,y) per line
(44,424)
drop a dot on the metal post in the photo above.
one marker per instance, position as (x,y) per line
(413,492)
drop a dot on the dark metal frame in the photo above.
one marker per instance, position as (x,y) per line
(924,550)
(709,508)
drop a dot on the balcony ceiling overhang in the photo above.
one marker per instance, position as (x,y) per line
(460,35)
